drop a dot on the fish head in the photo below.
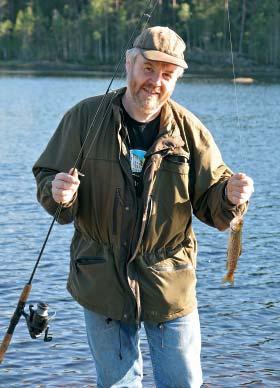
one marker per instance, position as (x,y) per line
(236,224)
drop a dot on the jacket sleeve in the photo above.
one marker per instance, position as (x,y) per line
(59,156)
(209,176)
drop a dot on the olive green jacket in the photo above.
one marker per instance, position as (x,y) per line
(133,258)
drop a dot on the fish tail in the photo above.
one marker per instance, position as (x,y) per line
(229,277)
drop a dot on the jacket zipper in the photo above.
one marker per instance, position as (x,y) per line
(142,222)
(127,171)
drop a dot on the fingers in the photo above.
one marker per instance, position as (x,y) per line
(241,180)
(64,186)
(71,177)
(74,173)
(239,188)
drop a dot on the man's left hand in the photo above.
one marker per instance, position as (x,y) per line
(239,188)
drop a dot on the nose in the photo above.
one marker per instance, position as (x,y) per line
(157,78)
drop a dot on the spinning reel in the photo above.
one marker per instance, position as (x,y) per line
(38,320)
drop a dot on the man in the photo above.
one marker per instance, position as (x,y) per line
(133,254)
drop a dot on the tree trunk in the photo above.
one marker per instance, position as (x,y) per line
(225,33)
(106,33)
(276,59)
(242,27)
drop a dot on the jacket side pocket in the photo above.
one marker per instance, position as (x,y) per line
(88,260)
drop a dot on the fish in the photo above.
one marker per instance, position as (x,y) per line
(234,248)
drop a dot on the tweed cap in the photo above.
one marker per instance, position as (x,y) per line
(162,44)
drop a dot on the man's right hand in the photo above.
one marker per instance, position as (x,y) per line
(64,186)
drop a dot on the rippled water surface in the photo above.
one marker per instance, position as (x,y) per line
(240,325)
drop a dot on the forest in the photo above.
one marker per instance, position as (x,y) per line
(94,31)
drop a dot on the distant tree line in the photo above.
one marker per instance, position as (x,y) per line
(94,31)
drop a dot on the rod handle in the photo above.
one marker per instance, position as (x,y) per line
(14,320)
(4,345)
(25,293)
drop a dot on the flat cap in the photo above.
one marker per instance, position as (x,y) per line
(162,44)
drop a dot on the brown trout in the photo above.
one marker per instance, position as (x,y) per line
(234,248)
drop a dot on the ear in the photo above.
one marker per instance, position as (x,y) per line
(128,65)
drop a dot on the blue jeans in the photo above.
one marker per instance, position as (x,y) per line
(174,349)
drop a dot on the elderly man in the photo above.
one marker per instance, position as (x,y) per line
(150,167)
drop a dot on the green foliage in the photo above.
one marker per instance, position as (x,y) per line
(24,32)
(184,13)
(95,31)
(5,28)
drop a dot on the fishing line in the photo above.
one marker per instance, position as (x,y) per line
(233,71)
(235,240)
(42,309)
(232,63)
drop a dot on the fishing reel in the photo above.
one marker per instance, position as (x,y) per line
(38,320)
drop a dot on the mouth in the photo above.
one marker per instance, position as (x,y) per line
(151,92)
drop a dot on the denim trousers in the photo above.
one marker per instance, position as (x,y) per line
(174,349)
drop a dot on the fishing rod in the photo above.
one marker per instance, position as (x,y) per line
(37,320)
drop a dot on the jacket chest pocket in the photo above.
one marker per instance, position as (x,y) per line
(173,178)
(171,206)
(177,163)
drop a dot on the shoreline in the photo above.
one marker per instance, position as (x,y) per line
(256,73)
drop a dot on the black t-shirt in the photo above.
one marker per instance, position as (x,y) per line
(140,137)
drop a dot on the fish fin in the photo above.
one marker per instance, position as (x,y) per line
(229,277)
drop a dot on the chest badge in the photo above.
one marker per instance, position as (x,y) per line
(137,158)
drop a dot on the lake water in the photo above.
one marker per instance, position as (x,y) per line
(240,325)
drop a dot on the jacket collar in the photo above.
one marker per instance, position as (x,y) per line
(169,136)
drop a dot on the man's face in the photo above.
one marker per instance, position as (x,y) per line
(150,83)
